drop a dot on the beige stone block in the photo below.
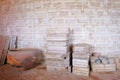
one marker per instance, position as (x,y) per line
(95,4)
(58,30)
(64,13)
(97,67)
(75,13)
(57,56)
(80,62)
(57,35)
(57,39)
(57,43)
(73,5)
(110,67)
(80,50)
(46,5)
(79,56)
(56,51)
(80,71)
(58,5)
(58,63)
(58,48)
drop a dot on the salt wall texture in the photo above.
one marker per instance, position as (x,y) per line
(99,21)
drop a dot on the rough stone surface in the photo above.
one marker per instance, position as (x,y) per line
(26,58)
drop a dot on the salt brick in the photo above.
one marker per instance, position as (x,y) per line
(79,56)
(56,38)
(59,52)
(57,43)
(63,13)
(81,71)
(58,48)
(95,4)
(57,63)
(80,49)
(56,56)
(73,5)
(110,67)
(97,67)
(80,62)
(58,5)
(75,12)
(46,5)
(57,35)
(58,30)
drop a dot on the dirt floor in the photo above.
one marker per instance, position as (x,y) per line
(8,72)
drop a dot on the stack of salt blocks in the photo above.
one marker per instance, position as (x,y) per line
(80,59)
(58,49)
(81,52)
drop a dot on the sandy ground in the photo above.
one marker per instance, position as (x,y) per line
(8,72)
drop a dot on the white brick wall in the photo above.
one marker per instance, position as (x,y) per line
(29,19)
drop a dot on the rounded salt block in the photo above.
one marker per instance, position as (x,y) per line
(93,59)
(98,61)
(111,60)
(104,61)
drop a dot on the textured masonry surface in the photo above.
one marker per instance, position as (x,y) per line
(99,21)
